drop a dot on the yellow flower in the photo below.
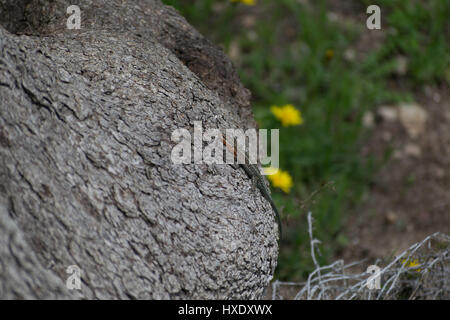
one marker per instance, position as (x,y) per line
(329,54)
(247,2)
(287,114)
(411,264)
(279,178)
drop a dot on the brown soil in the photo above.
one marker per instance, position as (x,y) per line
(410,198)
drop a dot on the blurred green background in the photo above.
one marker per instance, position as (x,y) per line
(299,52)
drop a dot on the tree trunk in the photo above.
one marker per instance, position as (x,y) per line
(86,118)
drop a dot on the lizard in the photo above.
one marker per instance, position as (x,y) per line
(252,171)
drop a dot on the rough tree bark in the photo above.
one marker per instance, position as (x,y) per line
(86,179)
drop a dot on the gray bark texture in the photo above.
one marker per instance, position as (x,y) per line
(86,118)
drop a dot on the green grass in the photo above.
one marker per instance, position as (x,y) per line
(283,60)
(419,30)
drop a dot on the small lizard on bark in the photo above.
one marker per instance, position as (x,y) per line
(252,171)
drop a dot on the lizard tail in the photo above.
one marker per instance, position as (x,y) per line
(278,219)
